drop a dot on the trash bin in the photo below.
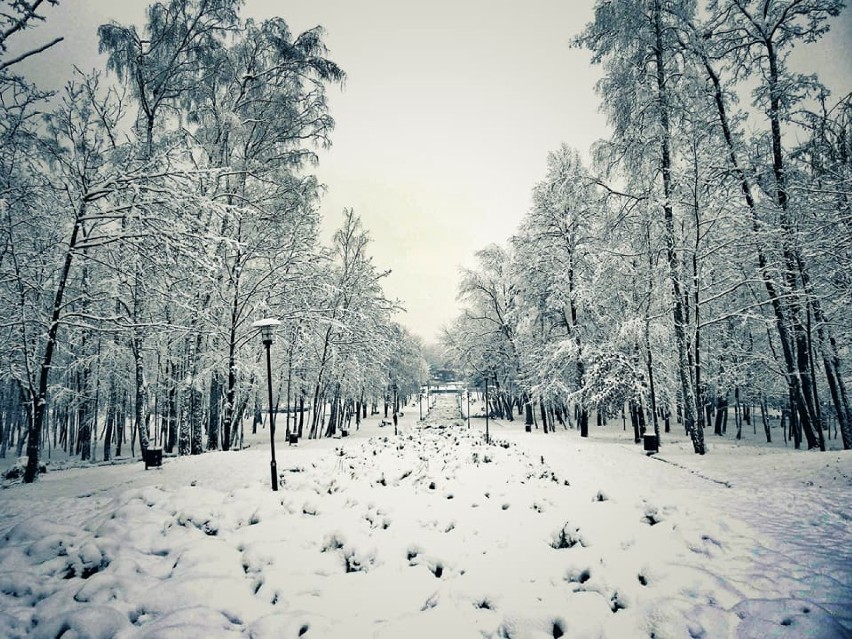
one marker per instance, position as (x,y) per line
(650,442)
(153,457)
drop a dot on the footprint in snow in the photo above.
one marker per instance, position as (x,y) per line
(431,602)
(652,515)
(578,575)
(567,537)
(708,546)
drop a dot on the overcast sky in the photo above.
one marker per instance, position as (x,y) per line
(445,121)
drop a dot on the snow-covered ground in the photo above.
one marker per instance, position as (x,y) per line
(434,533)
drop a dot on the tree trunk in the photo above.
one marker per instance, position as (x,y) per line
(693,428)
(213,415)
(231,388)
(333,417)
(317,412)
(237,431)
(120,423)
(506,409)
(721,414)
(109,431)
(301,412)
(320,378)
(738,413)
(801,371)
(795,432)
(634,421)
(4,429)
(184,423)
(84,416)
(289,383)
(831,364)
(195,421)
(140,402)
(39,394)
(766,429)
(172,417)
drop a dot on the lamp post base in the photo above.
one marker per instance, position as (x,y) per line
(273,469)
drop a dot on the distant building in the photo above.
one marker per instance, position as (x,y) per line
(449,387)
(442,375)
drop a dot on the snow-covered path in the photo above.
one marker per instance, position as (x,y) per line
(431,533)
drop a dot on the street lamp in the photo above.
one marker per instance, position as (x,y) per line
(487,436)
(266,327)
(467,391)
(395,407)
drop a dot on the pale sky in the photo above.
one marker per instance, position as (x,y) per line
(445,121)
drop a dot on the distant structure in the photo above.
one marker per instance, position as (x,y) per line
(440,376)
(449,387)
(444,380)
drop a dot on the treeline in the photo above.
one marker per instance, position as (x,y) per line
(151,213)
(704,258)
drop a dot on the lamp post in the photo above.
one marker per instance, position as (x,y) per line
(395,407)
(487,437)
(266,327)
(468,407)
(421,403)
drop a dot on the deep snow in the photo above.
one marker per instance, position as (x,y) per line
(433,533)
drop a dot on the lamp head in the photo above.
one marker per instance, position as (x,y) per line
(266,326)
